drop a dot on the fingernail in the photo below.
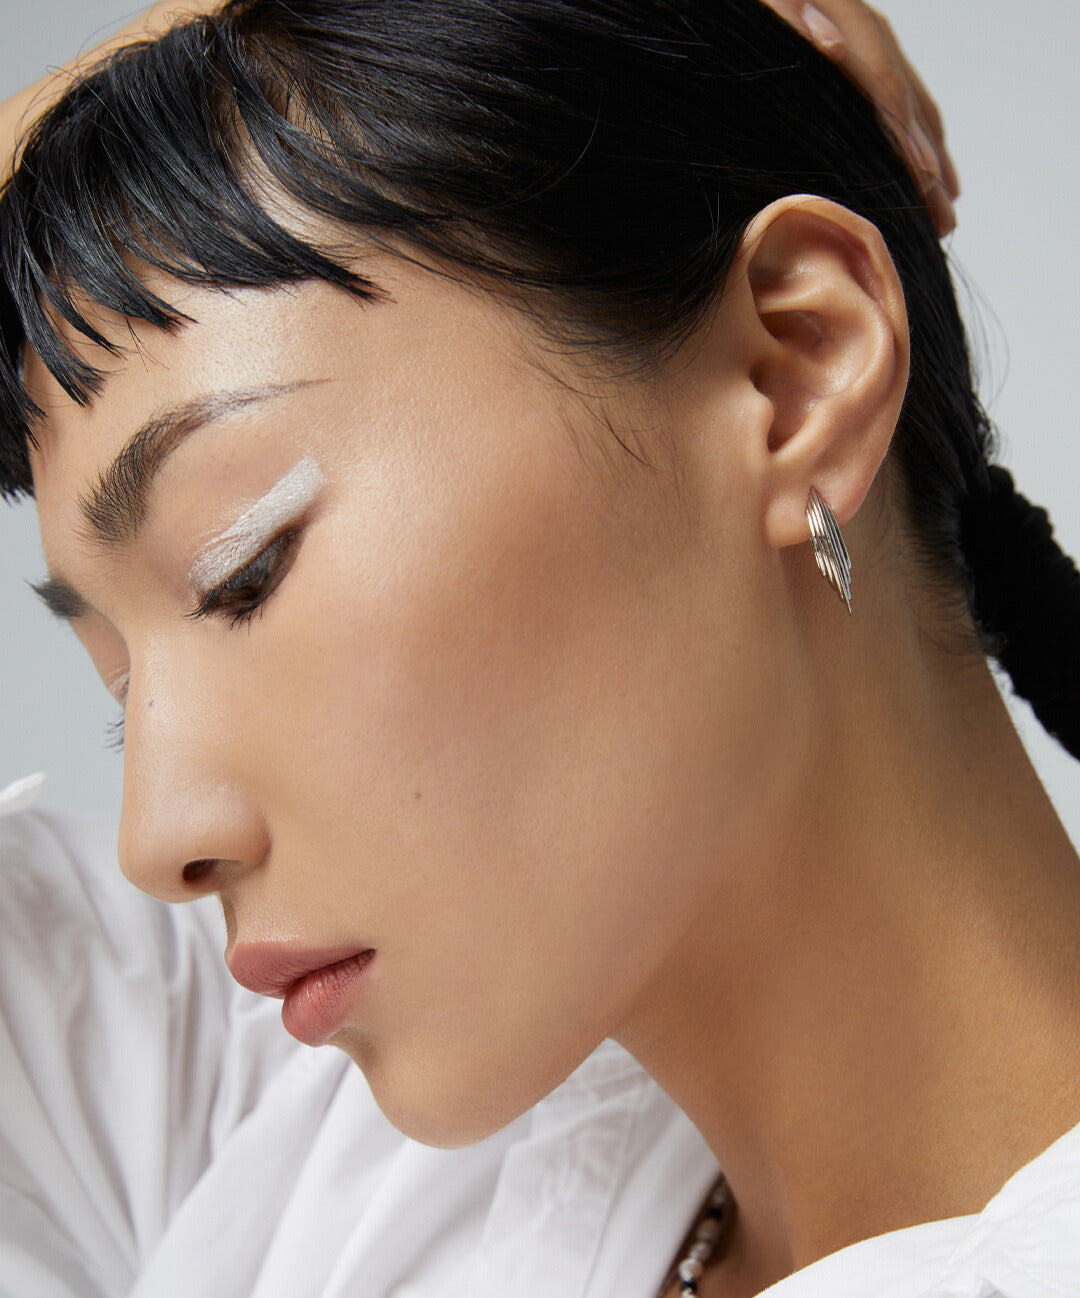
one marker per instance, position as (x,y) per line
(822,31)
(925,155)
(941,209)
(947,223)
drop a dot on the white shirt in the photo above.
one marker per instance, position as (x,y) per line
(1024,1244)
(162,1136)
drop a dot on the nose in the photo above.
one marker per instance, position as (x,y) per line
(189,825)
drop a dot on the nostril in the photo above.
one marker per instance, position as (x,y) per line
(196,870)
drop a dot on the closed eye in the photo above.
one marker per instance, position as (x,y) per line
(240,596)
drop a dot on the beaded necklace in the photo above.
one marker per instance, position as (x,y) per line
(712,1225)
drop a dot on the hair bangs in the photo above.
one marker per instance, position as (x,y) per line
(141,163)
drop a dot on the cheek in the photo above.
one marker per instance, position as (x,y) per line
(501,732)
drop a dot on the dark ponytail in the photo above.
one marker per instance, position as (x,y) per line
(596,160)
(1026,601)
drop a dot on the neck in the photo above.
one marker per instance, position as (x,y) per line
(876,1022)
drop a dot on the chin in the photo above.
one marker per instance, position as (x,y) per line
(443,1104)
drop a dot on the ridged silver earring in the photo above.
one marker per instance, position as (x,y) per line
(833,560)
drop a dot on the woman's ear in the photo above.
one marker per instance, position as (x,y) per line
(826,344)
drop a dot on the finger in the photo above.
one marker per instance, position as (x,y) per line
(930,116)
(880,79)
(925,165)
(945,166)
(810,22)
(822,31)
(925,169)
(940,207)
(925,156)
(905,108)
(870,55)
(952,179)
(789,10)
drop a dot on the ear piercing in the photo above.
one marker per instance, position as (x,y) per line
(833,560)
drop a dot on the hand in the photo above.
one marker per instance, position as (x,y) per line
(860,40)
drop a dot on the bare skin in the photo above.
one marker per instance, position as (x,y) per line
(528,719)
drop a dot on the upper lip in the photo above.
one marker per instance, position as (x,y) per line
(271,968)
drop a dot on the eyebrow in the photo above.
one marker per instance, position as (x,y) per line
(116,505)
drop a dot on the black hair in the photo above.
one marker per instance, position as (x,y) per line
(595,160)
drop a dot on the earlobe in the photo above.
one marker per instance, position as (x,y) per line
(829,351)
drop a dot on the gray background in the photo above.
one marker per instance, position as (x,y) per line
(1005,75)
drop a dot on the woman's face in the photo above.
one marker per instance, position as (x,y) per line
(419,660)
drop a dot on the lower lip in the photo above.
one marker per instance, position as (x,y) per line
(316,1005)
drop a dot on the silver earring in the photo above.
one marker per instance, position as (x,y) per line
(833,560)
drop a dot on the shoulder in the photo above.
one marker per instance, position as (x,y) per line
(1026,1243)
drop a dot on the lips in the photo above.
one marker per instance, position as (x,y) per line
(271,968)
(318,987)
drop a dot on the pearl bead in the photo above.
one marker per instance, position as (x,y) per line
(709,1229)
(690,1269)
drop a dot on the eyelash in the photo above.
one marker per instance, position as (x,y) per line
(262,574)
(114,734)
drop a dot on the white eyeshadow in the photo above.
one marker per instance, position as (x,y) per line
(255,528)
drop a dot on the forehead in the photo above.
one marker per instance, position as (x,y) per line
(235,342)
(435,332)
(232,340)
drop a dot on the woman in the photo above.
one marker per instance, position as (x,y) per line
(453,570)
